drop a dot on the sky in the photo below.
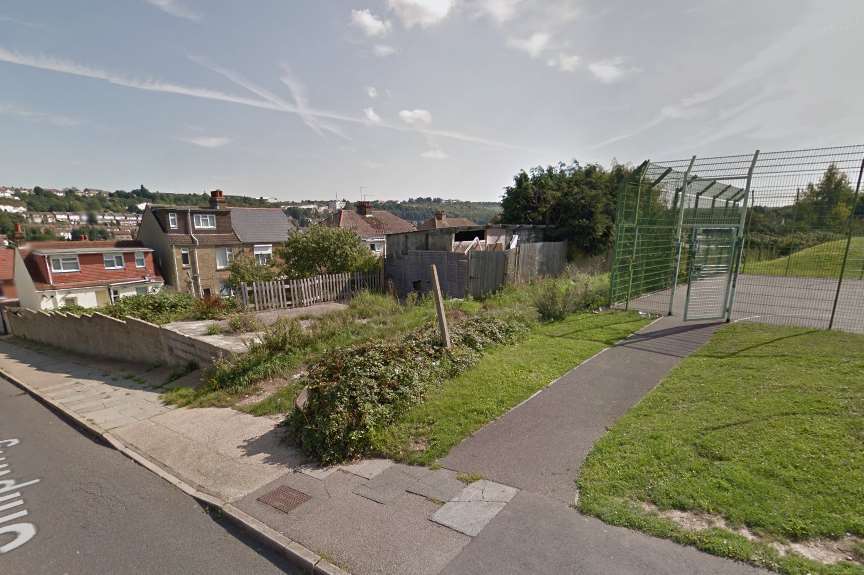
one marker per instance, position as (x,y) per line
(391,99)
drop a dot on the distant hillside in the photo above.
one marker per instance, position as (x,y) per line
(419,209)
(42,200)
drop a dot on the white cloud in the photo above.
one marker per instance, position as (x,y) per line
(499,10)
(268,102)
(175,9)
(372,116)
(53,119)
(207,141)
(423,13)
(370,24)
(372,92)
(564,62)
(534,45)
(416,117)
(608,71)
(383,50)
(434,154)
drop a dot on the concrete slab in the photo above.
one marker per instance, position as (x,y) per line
(474,507)
(364,536)
(367,468)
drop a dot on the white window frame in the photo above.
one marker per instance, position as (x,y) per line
(263,250)
(185,252)
(229,255)
(142,290)
(113,257)
(64,262)
(199,219)
(172,220)
(143,257)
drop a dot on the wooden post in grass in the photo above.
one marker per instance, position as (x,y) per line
(439,308)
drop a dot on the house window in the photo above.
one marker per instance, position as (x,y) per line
(223,258)
(61,264)
(373,247)
(204,221)
(263,254)
(140,262)
(141,290)
(113,261)
(225,290)
(172,220)
(184,257)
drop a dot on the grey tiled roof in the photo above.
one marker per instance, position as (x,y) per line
(261,225)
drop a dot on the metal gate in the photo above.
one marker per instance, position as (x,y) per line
(711,260)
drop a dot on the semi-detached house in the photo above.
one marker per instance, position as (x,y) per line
(194,246)
(50,275)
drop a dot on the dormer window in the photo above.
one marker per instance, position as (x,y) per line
(172,220)
(113,261)
(62,264)
(204,221)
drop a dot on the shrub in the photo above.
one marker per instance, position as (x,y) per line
(366,304)
(356,391)
(162,307)
(212,308)
(243,323)
(556,299)
(214,329)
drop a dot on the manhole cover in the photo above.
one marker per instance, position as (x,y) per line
(284,498)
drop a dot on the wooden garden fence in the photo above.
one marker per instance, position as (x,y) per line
(285,293)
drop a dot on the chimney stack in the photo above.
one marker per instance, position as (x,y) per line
(363,208)
(19,235)
(440,216)
(217,200)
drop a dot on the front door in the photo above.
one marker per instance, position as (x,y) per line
(102,297)
(711,261)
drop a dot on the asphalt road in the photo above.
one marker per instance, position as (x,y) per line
(97,512)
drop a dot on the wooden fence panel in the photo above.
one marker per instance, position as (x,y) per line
(282,293)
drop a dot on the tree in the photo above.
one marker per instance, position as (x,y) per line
(245,269)
(578,200)
(828,203)
(325,250)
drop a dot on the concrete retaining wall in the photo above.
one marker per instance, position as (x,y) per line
(99,335)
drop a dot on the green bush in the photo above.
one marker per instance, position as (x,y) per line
(244,323)
(162,307)
(356,391)
(556,299)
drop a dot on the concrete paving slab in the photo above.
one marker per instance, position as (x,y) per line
(367,468)
(364,536)
(474,507)
(318,472)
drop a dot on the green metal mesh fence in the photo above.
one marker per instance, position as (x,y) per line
(775,237)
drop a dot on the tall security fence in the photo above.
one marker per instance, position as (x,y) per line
(776,237)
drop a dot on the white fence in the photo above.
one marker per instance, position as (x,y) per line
(285,293)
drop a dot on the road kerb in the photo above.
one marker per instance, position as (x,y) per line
(303,557)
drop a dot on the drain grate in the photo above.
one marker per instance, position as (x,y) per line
(284,498)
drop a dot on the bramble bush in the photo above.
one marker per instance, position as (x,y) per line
(358,390)
(556,298)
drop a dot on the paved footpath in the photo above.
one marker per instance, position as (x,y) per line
(377,517)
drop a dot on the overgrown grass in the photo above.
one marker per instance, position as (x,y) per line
(821,261)
(505,376)
(762,427)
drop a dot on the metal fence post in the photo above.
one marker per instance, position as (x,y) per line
(644,166)
(678,243)
(740,239)
(848,244)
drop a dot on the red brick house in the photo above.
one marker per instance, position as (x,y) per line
(371,225)
(49,275)
(440,220)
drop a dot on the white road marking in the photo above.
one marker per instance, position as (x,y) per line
(10,490)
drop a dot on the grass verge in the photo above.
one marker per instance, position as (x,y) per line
(504,376)
(762,428)
(820,261)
